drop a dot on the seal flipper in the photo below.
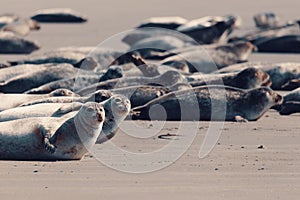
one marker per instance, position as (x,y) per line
(240,119)
(67,109)
(47,134)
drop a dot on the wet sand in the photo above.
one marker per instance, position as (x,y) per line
(235,169)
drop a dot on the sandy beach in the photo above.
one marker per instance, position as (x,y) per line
(253,160)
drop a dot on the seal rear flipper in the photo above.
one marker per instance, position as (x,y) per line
(239,118)
(67,109)
(47,134)
(290,107)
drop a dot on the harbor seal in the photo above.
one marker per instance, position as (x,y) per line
(142,33)
(13,100)
(246,79)
(8,18)
(280,44)
(27,81)
(36,110)
(167,79)
(22,27)
(59,15)
(163,22)
(78,82)
(291,103)
(280,73)
(266,20)
(207,60)
(291,85)
(116,109)
(73,58)
(146,46)
(97,96)
(13,44)
(52,138)
(207,30)
(10,72)
(140,95)
(235,104)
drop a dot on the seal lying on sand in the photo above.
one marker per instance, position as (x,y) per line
(13,44)
(97,96)
(52,138)
(209,29)
(141,33)
(246,79)
(167,79)
(163,22)
(24,82)
(10,72)
(78,82)
(13,100)
(7,19)
(116,109)
(291,85)
(281,44)
(59,15)
(36,110)
(291,103)
(146,46)
(78,60)
(280,73)
(207,60)
(230,104)
(22,27)
(266,20)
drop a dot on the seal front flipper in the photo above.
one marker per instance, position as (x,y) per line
(47,134)
(240,119)
(67,108)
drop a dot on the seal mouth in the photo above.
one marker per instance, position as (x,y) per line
(99,117)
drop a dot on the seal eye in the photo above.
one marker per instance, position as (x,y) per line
(90,109)
(118,100)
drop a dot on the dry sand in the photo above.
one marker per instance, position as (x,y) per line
(235,169)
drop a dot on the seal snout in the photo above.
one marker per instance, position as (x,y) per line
(99,117)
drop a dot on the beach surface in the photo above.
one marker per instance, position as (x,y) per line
(254,160)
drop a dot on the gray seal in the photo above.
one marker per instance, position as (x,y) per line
(52,138)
